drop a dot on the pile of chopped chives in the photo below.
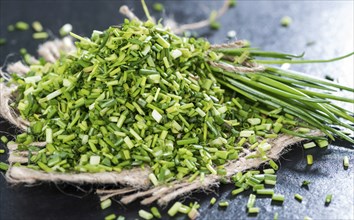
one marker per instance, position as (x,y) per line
(139,95)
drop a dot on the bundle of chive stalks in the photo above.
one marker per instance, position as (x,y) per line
(163,115)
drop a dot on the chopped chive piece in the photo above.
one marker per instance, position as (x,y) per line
(2,41)
(322,143)
(278,198)
(307,218)
(110,217)
(223,203)
(253,210)
(106,203)
(155,212)
(4,139)
(273,165)
(65,29)
(145,215)
(174,209)
(121,217)
(40,35)
(328,199)
(298,197)
(237,191)
(309,145)
(4,166)
(276,216)
(305,183)
(22,26)
(37,26)
(285,21)
(251,200)
(346,162)
(265,191)
(158,7)
(309,159)
(2,151)
(212,201)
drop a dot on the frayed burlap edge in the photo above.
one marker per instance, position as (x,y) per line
(135,181)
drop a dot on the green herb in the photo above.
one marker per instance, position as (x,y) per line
(212,201)
(121,217)
(286,21)
(309,145)
(65,29)
(4,166)
(110,217)
(253,210)
(346,162)
(298,197)
(174,209)
(278,198)
(40,35)
(309,159)
(2,41)
(145,215)
(328,199)
(2,151)
(305,183)
(155,212)
(21,25)
(276,215)
(232,3)
(37,26)
(106,203)
(223,203)
(4,139)
(158,7)
(11,28)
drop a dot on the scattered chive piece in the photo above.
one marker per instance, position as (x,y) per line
(110,217)
(232,3)
(273,165)
(4,166)
(2,41)
(145,215)
(278,197)
(309,145)
(212,201)
(305,183)
(155,212)
(231,34)
(251,200)
(346,162)
(158,7)
(121,217)
(22,26)
(322,143)
(309,159)
(265,192)
(328,199)
(2,151)
(37,26)
(106,203)
(174,209)
(276,216)
(286,21)
(253,210)
(307,218)
(237,191)
(11,28)
(4,139)
(223,203)
(40,35)
(298,197)
(65,29)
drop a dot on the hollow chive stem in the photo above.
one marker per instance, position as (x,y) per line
(106,203)
(278,198)
(298,197)
(145,215)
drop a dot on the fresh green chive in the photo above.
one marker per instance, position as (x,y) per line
(106,203)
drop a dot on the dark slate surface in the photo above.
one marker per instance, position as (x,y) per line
(323,29)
